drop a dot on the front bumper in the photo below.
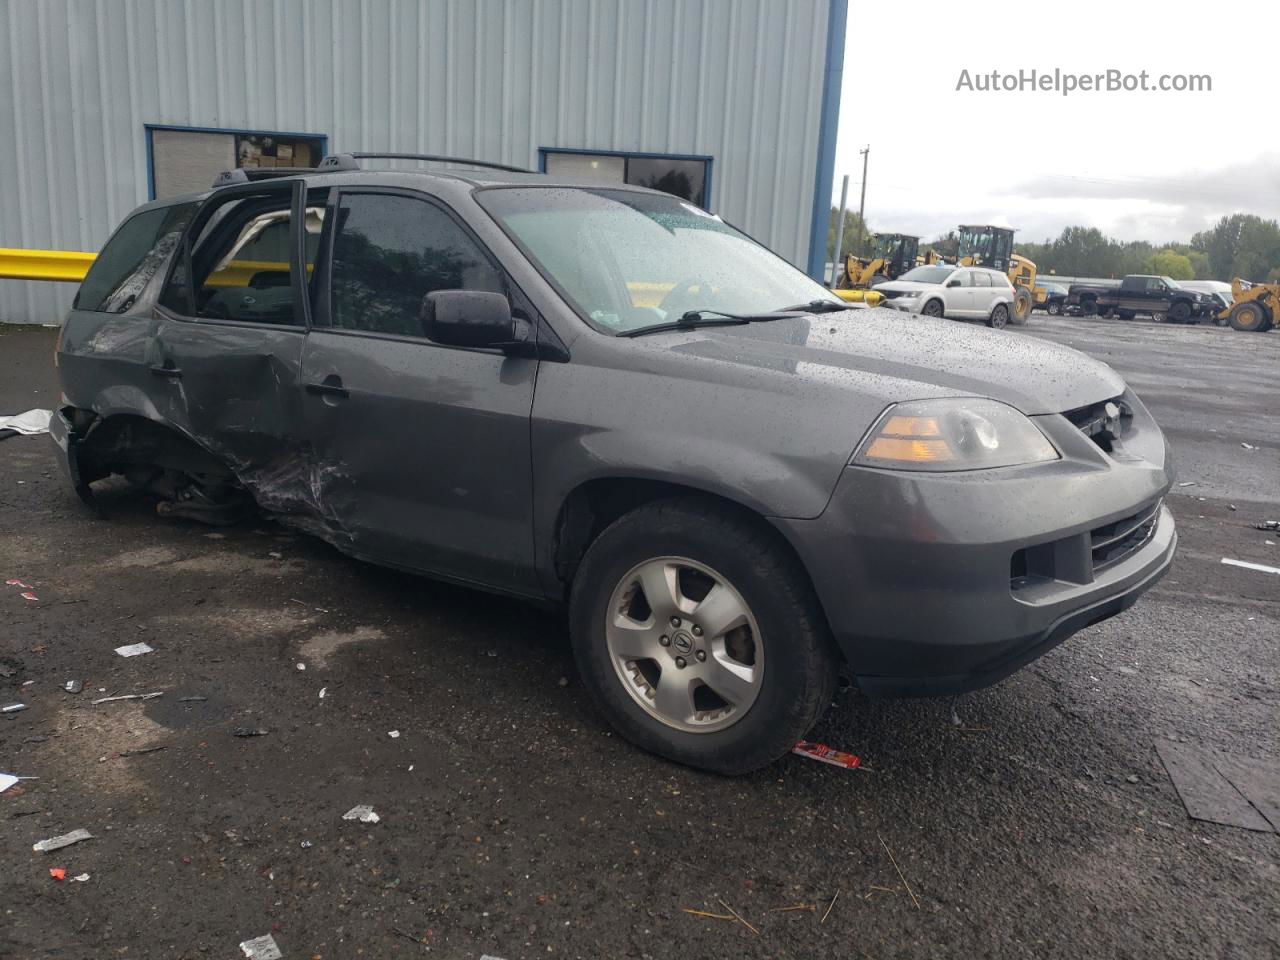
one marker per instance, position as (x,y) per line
(903,304)
(944,583)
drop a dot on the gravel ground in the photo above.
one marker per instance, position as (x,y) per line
(512,822)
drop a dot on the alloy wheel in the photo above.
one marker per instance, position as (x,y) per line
(684,644)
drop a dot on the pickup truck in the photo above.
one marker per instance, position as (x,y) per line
(1161,297)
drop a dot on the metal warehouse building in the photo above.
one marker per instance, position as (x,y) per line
(731,103)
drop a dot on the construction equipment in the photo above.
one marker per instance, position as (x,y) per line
(991,246)
(892,255)
(1256,306)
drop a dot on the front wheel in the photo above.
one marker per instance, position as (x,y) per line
(933,308)
(1054,308)
(1180,312)
(1023,302)
(1249,317)
(699,638)
(999,318)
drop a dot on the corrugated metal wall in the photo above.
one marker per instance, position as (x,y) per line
(738,80)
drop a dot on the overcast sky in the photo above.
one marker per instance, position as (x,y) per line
(1139,166)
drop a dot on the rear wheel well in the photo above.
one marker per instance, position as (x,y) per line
(126,439)
(593,505)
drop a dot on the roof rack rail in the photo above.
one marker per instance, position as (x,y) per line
(248,174)
(351,161)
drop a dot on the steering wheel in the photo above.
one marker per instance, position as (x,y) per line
(679,298)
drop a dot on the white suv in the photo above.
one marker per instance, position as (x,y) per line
(962,293)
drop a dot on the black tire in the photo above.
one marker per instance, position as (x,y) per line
(1249,317)
(1054,308)
(1023,303)
(1125,314)
(1105,313)
(933,308)
(1180,312)
(800,664)
(998,319)
(1088,307)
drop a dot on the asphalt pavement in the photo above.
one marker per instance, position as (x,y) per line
(513,824)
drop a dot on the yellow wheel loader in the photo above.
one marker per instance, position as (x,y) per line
(892,256)
(991,246)
(1256,307)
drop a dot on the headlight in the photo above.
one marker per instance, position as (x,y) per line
(959,433)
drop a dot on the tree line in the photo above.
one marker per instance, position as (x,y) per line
(1239,245)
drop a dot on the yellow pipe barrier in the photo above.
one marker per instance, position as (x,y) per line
(871,298)
(62,266)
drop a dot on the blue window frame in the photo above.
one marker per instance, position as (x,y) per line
(680,174)
(248,147)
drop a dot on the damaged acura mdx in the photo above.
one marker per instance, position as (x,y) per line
(606,398)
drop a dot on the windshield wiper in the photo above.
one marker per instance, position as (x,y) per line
(691,319)
(817,306)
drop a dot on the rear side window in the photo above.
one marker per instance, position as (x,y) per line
(241,263)
(390,251)
(981,279)
(133,255)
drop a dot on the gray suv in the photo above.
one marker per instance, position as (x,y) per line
(607,399)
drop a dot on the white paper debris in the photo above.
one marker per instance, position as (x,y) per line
(80,879)
(302,666)
(262,948)
(66,840)
(28,424)
(393,734)
(7,780)
(133,649)
(362,812)
(13,708)
(1261,567)
(322,692)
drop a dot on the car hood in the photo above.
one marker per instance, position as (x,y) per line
(904,357)
(905,286)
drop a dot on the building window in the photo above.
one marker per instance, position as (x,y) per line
(185,160)
(686,177)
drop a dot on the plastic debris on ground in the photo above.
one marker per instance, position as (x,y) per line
(58,873)
(133,649)
(66,840)
(7,780)
(13,708)
(128,696)
(18,583)
(25,424)
(73,686)
(1224,788)
(250,732)
(27,595)
(393,734)
(1267,525)
(262,948)
(362,812)
(1260,567)
(82,878)
(825,754)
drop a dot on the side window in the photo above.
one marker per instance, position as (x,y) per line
(389,252)
(981,279)
(133,255)
(965,277)
(1155,285)
(240,262)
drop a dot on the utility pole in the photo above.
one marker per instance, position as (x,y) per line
(844,199)
(862,204)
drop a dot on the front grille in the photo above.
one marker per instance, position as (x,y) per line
(1104,423)
(1116,540)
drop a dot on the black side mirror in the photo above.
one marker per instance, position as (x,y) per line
(953,283)
(467,318)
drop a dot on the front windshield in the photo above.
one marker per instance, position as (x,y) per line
(1171,283)
(928,274)
(627,260)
